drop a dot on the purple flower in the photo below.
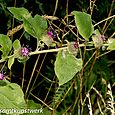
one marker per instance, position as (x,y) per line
(52,34)
(25,51)
(1,75)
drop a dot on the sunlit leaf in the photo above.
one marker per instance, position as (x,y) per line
(32,105)
(35,26)
(4,82)
(5,45)
(83,22)
(35,106)
(66,66)
(16,47)
(19,13)
(111,45)
(16,44)
(11,96)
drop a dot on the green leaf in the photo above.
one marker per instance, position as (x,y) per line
(66,66)
(35,26)
(111,45)
(32,105)
(19,13)
(46,111)
(16,44)
(35,106)
(5,45)
(16,47)
(11,96)
(4,82)
(83,22)
(22,59)
(10,62)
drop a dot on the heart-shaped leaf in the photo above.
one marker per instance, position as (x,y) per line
(11,96)
(66,66)
(35,26)
(83,22)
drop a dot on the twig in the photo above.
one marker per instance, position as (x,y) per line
(31,75)
(56,6)
(46,78)
(99,95)
(92,4)
(67,110)
(86,97)
(67,10)
(99,107)
(89,60)
(104,20)
(103,54)
(42,102)
(89,105)
(104,27)
(37,74)
(110,101)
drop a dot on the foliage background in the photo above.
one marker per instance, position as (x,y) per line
(103,71)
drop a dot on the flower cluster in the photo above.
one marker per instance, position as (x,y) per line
(98,39)
(1,76)
(25,51)
(73,47)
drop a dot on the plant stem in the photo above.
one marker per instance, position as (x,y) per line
(47,51)
(24,66)
(52,50)
(31,76)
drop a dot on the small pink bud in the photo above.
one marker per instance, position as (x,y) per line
(1,76)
